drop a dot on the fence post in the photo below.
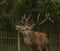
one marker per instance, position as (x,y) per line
(18,40)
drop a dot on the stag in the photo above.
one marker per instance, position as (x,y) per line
(36,41)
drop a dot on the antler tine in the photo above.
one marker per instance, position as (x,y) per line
(51,19)
(38,17)
(28,18)
(46,16)
(23,17)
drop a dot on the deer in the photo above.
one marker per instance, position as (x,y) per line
(36,41)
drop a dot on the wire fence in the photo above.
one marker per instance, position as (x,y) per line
(11,41)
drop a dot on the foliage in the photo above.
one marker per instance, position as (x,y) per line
(12,10)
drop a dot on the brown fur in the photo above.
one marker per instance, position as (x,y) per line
(37,41)
(40,40)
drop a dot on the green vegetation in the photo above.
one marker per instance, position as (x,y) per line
(11,11)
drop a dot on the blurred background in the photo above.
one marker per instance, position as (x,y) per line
(11,11)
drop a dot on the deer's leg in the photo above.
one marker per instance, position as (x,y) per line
(30,48)
(39,48)
(46,48)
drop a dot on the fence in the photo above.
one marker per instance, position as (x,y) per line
(11,41)
(8,41)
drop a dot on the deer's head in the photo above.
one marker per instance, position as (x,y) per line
(25,27)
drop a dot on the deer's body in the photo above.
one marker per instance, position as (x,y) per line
(34,39)
(37,41)
(37,37)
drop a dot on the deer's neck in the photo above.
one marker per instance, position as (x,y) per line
(27,37)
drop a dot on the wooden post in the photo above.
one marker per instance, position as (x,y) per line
(18,41)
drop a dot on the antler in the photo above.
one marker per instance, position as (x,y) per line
(46,17)
(25,20)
